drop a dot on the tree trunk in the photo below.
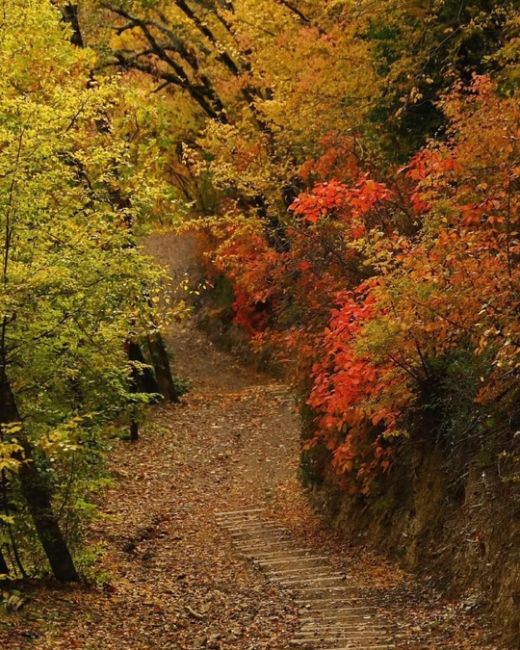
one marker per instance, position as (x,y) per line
(70,15)
(4,569)
(161,364)
(37,493)
(134,430)
(143,379)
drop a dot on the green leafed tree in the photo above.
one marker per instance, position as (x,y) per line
(74,286)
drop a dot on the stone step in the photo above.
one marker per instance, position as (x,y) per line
(291,572)
(238,512)
(293,556)
(332,615)
(338,632)
(346,620)
(261,535)
(326,580)
(357,643)
(271,548)
(341,616)
(386,646)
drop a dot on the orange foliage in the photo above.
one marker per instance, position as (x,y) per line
(376,312)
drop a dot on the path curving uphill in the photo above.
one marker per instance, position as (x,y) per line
(209,543)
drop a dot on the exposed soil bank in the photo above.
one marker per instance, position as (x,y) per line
(464,535)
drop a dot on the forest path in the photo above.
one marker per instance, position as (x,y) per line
(179,576)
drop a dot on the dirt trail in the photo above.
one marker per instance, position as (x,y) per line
(175,580)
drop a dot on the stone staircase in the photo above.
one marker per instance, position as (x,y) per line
(332,615)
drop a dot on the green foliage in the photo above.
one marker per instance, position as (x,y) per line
(182,385)
(450,392)
(74,284)
(422,48)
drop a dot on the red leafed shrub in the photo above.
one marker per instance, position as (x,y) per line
(353,416)
(333,199)
(399,299)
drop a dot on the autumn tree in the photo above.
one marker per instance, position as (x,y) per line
(398,298)
(73,282)
(301,114)
(422,48)
(252,116)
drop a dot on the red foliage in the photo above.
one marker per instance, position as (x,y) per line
(334,199)
(337,160)
(446,281)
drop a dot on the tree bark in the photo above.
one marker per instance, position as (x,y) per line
(37,493)
(4,569)
(134,430)
(143,378)
(161,364)
(70,15)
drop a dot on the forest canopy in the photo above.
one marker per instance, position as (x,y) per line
(356,165)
